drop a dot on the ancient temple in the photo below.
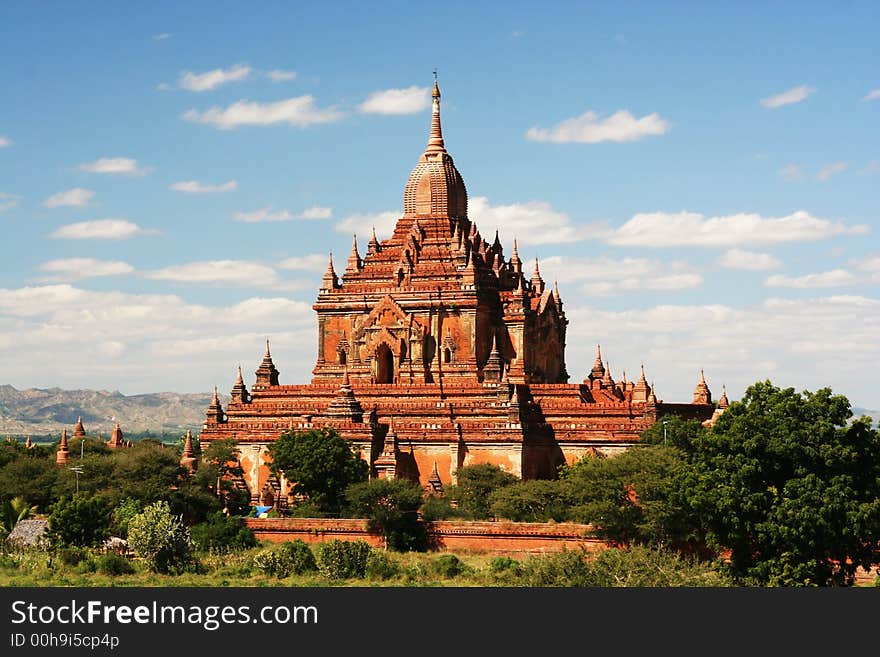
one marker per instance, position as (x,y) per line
(435,350)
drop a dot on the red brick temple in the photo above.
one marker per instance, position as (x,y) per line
(435,351)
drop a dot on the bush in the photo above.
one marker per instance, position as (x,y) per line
(221,533)
(475,484)
(122,515)
(380,566)
(343,559)
(79,521)
(114,564)
(448,566)
(567,568)
(530,501)
(289,558)
(161,539)
(437,508)
(391,507)
(503,564)
(71,556)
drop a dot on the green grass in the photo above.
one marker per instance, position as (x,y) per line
(411,569)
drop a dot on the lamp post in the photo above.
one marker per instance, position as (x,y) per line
(664,432)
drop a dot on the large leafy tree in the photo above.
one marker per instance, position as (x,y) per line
(790,487)
(79,521)
(475,484)
(321,465)
(215,482)
(634,497)
(392,508)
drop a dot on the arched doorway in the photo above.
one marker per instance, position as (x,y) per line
(384,364)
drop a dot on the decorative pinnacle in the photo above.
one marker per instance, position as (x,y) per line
(268,355)
(240,379)
(537,272)
(702,377)
(435,141)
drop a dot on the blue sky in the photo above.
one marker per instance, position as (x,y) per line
(702,180)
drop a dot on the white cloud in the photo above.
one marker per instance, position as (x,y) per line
(833,278)
(8,201)
(829,170)
(101,229)
(164,86)
(145,343)
(195,187)
(269,215)
(748,260)
(662,229)
(239,272)
(588,128)
(279,75)
(737,346)
(163,36)
(5,142)
(363,224)
(116,165)
(316,212)
(77,268)
(874,94)
(789,97)
(791,173)
(532,222)
(300,112)
(870,265)
(314,262)
(76,197)
(604,276)
(397,101)
(213,79)
(264,214)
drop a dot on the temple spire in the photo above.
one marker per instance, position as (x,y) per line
(79,430)
(373,244)
(188,459)
(116,438)
(354,259)
(515,262)
(702,395)
(63,451)
(435,141)
(598,370)
(267,373)
(330,281)
(537,281)
(723,403)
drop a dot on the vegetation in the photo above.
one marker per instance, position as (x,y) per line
(161,539)
(475,484)
(220,533)
(391,507)
(289,558)
(321,464)
(79,522)
(343,559)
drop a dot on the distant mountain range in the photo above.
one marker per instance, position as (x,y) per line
(38,412)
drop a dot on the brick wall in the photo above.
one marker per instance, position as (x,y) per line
(507,538)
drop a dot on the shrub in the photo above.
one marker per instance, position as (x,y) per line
(122,515)
(71,556)
(161,539)
(222,533)
(79,521)
(502,564)
(343,559)
(566,568)
(87,565)
(475,484)
(380,566)
(391,507)
(114,564)
(448,566)
(530,501)
(437,508)
(289,558)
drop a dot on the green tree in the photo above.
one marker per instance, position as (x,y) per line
(218,472)
(220,533)
(12,512)
(475,484)
(530,501)
(161,539)
(79,521)
(633,497)
(392,508)
(790,487)
(34,479)
(321,465)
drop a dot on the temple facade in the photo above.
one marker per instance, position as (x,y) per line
(435,350)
